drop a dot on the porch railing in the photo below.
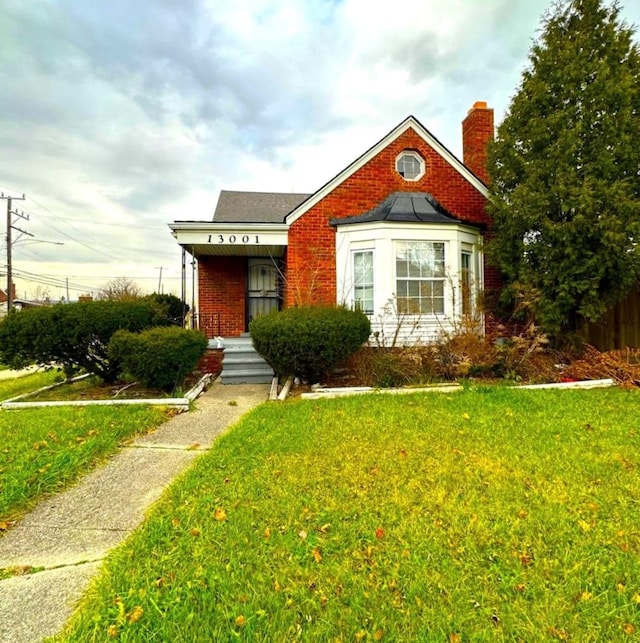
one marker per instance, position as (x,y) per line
(208,323)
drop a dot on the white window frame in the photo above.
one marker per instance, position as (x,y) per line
(425,275)
(359,284)
(418,158)
(467,279)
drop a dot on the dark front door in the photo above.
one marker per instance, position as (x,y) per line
(262,289)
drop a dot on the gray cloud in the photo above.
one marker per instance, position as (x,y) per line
(132,114)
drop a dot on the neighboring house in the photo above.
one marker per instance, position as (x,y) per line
(398,233)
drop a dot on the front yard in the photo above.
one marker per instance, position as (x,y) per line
(42,450)
(490,514)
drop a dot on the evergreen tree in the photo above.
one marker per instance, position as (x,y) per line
(565,169)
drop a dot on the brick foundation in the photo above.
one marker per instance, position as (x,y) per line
(211,361)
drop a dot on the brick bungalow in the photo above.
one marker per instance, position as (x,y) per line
(399,233)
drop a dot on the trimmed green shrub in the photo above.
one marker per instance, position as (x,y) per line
(158,357)
(73,335)
(170,305)
(308,342)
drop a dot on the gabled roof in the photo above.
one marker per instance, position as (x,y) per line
(404,207)
(255,207)
(411,122)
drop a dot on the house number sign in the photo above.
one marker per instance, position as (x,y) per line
(234,238)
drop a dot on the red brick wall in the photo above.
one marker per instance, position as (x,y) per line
(221,289)
(3,294)
(211,361)
(477,131)
(311,253)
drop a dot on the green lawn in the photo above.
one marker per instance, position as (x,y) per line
(42,450)
(17,386)
(487,515)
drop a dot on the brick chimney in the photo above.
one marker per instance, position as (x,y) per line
(477,131)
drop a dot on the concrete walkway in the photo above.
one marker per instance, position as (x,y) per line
(70,533)
(8,374)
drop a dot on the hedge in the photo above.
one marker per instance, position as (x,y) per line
(158,357)
(309,342)
(73,335)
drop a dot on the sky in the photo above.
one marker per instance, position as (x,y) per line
(119,117)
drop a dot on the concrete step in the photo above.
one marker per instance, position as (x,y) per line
(245,364)
(246,377)
(241,364)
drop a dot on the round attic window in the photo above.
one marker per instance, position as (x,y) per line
(410,165)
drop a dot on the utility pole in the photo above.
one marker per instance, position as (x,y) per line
(9,244)
(160,281)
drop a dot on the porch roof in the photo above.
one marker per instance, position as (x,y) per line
(208,238)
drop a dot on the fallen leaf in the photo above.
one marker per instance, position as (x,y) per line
(195,532)
(317,555)
(466,416)
(220,514)
(112,631)
(454,638)
(520,587)
(175,522)
(526,559)
(377,635)
(302,534)
(135,614)
(636,599)
(562,635)
(628,628)
(267,532)
(586,596)
(240,621)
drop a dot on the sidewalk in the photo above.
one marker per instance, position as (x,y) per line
(8,374)
(70,533)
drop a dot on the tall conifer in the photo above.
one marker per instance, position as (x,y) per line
(565,168)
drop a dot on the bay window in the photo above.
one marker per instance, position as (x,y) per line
(420,276)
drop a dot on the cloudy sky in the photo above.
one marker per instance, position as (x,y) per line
(118,117)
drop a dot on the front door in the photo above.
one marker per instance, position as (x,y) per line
(262,288)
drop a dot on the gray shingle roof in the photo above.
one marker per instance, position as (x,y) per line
(255,207)
(405,207)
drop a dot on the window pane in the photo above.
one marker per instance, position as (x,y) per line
(420,272)
(363,280)
(438,251)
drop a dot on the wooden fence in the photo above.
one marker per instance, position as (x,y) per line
(619,328)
